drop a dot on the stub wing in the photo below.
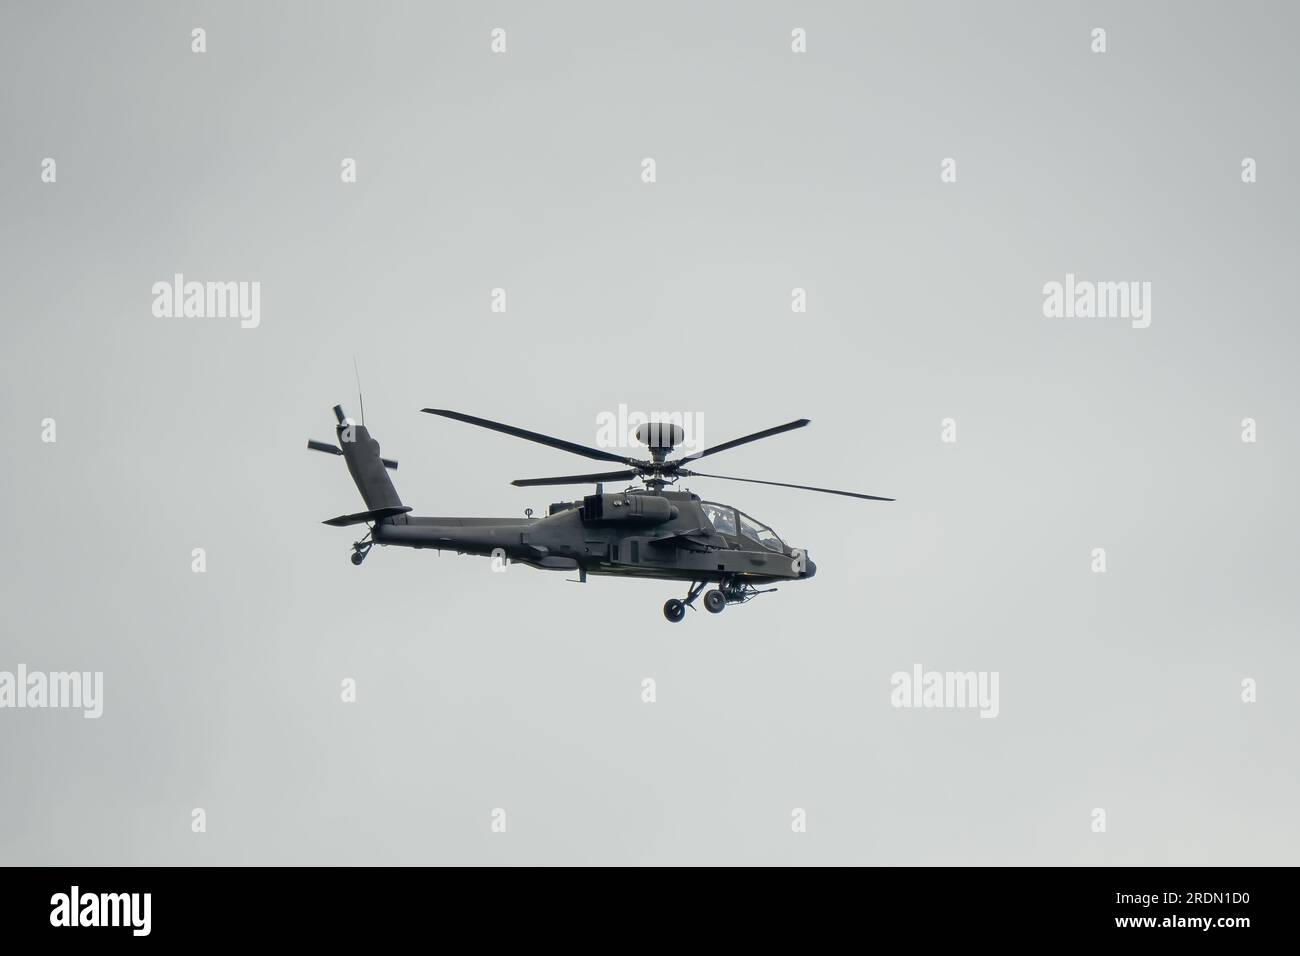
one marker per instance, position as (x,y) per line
(701,539)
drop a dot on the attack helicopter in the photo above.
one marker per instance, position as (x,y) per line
(648,532)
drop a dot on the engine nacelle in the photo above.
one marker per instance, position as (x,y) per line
(629,509)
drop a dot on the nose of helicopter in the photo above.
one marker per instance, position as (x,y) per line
(810,568)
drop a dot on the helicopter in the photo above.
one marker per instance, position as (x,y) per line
(649,532)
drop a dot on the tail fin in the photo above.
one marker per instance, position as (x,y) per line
(368,469)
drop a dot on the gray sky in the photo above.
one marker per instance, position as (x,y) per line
(775,170)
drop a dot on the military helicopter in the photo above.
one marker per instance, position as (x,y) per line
(648,532)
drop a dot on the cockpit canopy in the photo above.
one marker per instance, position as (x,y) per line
(727,520)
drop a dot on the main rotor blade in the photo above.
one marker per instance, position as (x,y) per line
(714,449)
(576,479)
(541,439)
(782,484)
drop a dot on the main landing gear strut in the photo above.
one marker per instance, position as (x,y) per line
(730,591)
(675,610)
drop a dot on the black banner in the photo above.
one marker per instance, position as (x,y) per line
(1165,906)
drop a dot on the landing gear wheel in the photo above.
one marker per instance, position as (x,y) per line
(362,548)
(674,610)
(714,601)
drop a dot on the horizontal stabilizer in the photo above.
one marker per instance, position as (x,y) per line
(363,517)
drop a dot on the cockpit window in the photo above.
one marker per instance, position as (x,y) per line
(721,517)
(760,533)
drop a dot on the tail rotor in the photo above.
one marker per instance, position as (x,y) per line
(369,472)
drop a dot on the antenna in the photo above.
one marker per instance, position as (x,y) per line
(360,401)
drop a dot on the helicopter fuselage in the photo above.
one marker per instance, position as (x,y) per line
(649,532)
(638,533)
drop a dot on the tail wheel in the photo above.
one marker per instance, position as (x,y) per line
(714,601)
(674,610)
